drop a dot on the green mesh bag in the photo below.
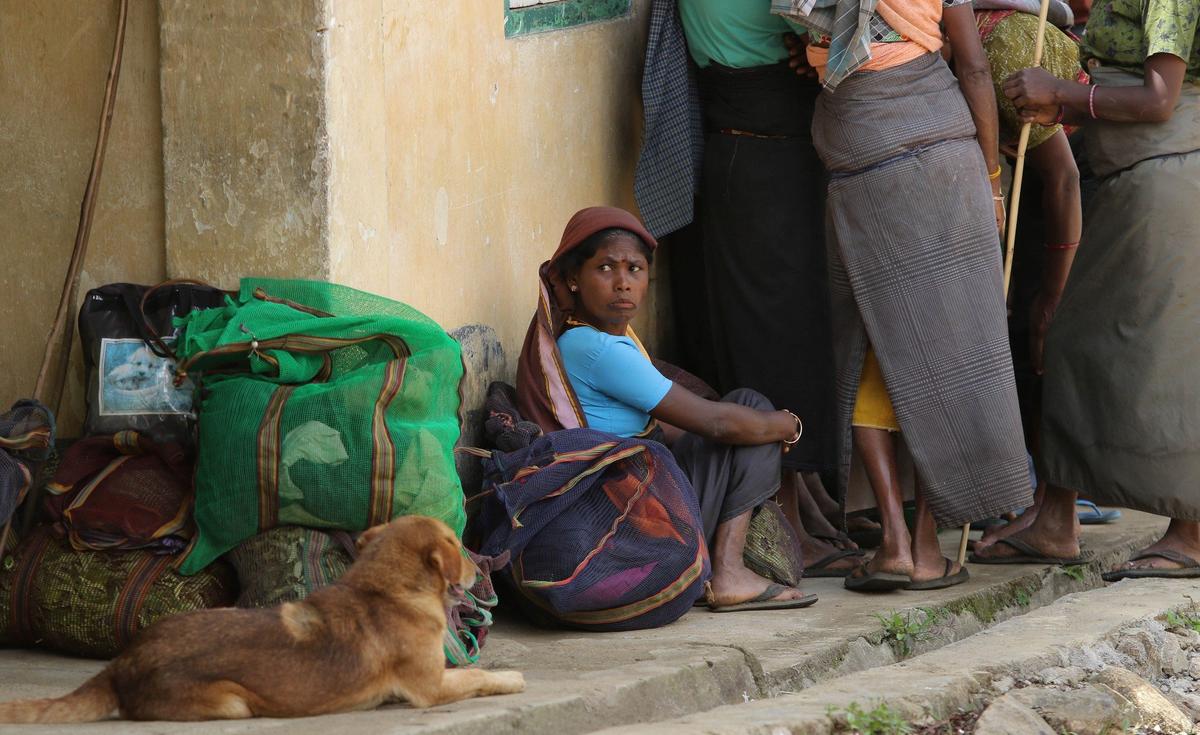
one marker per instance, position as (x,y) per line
(91,603)
(319,406)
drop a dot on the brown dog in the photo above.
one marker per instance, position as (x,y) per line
(374,636)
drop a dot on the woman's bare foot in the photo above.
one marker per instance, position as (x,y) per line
(1181,537)
(1054,532)
(830,508)
(1020,523)
(817,551)
(731,581)
(731,585)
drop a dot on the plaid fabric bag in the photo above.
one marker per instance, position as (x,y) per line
(604,533)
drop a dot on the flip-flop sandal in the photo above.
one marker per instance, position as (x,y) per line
(837,541)
(1027,554)
(765,601)
(1190,568)
(821,568)
(877,581)
(946,580)
(1091,515)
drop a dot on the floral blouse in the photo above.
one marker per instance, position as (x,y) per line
(1124,33)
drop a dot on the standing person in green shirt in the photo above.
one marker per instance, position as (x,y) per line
(760,208)
(1121,409)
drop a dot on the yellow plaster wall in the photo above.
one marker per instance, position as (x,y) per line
(54,58)
(458,155)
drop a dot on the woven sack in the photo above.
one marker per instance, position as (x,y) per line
(771,549)
(91,603)
(123,491)
(288,563)
(321,406)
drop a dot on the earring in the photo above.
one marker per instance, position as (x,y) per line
(574,287)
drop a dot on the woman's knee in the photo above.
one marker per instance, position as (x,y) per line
(749,397)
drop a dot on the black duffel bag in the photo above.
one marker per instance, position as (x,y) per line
(128,334)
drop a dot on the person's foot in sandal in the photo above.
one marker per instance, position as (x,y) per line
(1052,537)
(1175,555)
(732,584)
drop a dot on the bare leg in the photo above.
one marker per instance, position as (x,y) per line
(1023,521)
(1181,536)
(813,520)
(928,562)
(877,450)
(731,581)
(1054,532)
(830,508)
(814,549)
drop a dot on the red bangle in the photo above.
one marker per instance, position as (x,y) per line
(1059,118)
(1092,102)
(1062,246)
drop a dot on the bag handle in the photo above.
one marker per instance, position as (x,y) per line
(148,333)
(303,343)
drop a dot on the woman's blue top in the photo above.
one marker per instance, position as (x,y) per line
(617,386)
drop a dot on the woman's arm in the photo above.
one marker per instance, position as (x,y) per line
(726,423)
(975,80)
(1040,96)
(1056,167)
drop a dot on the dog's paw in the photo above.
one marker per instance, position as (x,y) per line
(507,682)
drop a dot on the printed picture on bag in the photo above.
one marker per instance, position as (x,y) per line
(134,380)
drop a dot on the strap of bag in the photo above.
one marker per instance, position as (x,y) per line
(133,595)
(137,309)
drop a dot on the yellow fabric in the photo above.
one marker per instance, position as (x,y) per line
(872,406)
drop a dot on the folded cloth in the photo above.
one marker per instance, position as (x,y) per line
(26,440)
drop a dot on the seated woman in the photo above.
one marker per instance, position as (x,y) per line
(581,365)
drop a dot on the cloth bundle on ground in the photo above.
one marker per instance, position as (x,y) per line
(126,331)
(91,603)
(26,441)
(124,491)
(605,533)
(289,563)
(320,406)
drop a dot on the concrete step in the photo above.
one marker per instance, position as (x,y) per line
(1085,630)
(584,682)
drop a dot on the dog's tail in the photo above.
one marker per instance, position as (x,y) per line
(95,700)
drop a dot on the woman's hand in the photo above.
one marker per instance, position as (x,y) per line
(1000,212)
(1041,314)
(1035,93)
(798,55)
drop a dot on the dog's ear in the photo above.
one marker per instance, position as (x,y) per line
(369,535)
(444,558)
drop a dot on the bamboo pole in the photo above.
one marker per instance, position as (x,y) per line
(1014,206)
(52,376)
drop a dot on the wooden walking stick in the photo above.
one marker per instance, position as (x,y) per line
(1014,205)
(53,374)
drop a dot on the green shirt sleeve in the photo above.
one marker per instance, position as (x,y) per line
(1170,27)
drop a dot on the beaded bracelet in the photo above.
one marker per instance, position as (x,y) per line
(1092,102)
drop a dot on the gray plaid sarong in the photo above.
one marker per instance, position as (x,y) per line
(915,269)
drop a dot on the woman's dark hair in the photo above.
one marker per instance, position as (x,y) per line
(572,260)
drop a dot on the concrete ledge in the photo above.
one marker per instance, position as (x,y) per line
(955,677)
(583,682)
